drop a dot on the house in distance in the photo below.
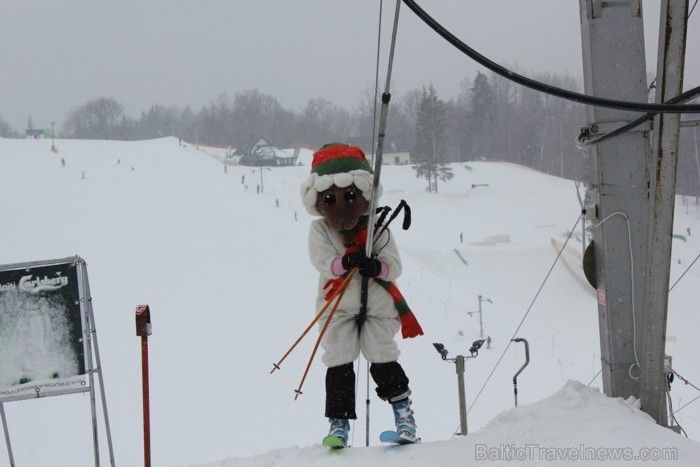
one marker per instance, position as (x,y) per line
(258,152)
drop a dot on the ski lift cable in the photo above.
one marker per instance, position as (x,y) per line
(374,133)
(386,98)
(684,380)
(686,270)
(686,405)
(527,312)
(583,144)
(377,156)
(593,379)
(669,402)
(583,141)
(673,413)
(376,76)
(542,87)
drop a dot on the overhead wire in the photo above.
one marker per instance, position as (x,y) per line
(377,158)
(686,404)
(542,87)
(668,394)
(686,270)
(527,312)
(585,141)
(376,77)
(684,380)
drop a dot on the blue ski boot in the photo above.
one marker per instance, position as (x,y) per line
(338,434)
(405,423)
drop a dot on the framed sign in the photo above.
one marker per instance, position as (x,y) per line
(42,330)
(48,339)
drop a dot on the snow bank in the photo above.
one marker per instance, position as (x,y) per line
(575,426)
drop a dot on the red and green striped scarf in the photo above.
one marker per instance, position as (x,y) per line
(355,240)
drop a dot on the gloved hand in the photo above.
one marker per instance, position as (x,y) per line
(368,267)
(352,260)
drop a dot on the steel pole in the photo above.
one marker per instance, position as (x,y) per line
(7,435)
(481,321)
(669,83)
(146,403)
(459,364)
(618,181)
(143,329)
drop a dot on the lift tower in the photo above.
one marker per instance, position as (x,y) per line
(629,203)
(669,83)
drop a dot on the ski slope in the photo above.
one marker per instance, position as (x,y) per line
(226,274)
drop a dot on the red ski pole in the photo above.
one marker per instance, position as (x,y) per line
(143,329)
(337,299)
(339,290)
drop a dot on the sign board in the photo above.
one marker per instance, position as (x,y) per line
(38,134)
(43,348)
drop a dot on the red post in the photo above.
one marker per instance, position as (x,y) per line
(143,329)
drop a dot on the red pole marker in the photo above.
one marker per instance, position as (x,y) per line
(143,329)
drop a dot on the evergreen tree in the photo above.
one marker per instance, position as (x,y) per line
(428,153)
(481,117)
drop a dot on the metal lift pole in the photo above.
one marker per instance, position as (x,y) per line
(618,178)
(459,365)
(669,83)
(632,188)
(527,362)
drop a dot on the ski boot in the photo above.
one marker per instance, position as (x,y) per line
(338,434)
(405,423)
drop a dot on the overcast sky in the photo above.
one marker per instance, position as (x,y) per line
(57,55)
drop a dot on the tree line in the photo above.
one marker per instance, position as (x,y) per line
(491,118)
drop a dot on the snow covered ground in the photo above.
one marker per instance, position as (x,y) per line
(226,274)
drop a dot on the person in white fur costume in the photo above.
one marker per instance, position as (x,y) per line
(339,189)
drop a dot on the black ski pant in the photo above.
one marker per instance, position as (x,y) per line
(340,387)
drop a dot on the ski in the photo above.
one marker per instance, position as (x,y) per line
(333,442)
(392,437)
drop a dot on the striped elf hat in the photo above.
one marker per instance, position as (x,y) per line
(336,158)
(340,165)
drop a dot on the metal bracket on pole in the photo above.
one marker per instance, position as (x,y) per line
(527,362)
(143,329)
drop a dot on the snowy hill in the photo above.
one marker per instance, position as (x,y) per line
(564,429)
(226,274)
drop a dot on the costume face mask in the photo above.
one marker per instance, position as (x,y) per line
(342,207)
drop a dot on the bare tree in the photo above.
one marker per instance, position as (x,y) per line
(97,119)
(322,122)
(6,130)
